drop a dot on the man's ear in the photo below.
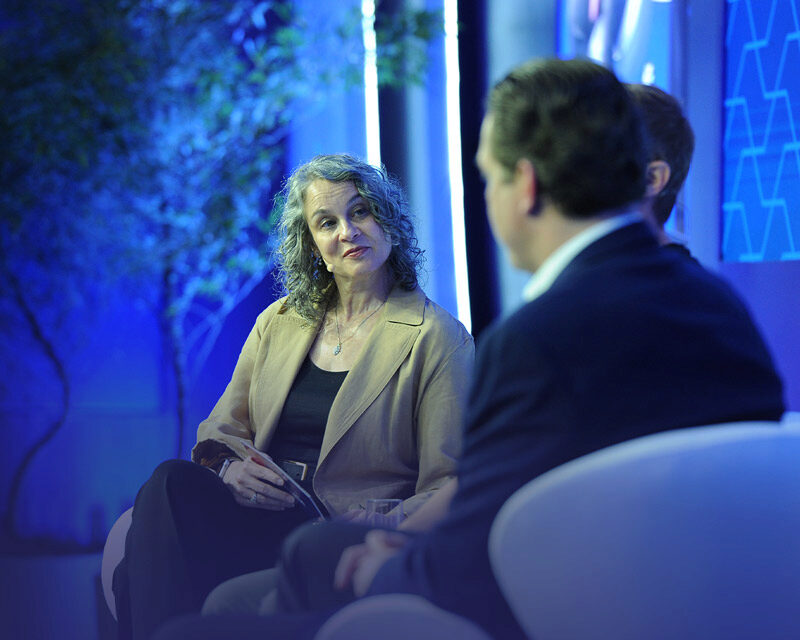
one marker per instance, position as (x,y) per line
(658,173)
(526,186)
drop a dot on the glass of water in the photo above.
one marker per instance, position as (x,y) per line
(384,512)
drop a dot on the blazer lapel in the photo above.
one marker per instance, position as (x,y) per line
(384,352)
(290,342)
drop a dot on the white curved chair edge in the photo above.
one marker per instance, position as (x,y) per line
(113,551)
(662,443)
(397,616)
(652,445)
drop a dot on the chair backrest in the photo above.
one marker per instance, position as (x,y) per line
(113,552)
(692,533)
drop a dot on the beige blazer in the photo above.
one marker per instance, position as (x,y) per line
(394,429)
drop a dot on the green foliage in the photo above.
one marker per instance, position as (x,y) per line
(66,102)
(146,135)
(401,59)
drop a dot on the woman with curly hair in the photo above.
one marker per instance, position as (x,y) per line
(354,383)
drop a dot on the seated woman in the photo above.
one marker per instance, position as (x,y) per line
(354,383)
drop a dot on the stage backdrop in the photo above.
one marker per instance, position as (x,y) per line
(136,236)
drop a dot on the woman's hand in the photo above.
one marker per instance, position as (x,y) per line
(253,485)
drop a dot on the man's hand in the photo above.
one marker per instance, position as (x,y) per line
(359,564)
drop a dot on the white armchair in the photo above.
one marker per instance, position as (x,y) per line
(693,533)
(113,552)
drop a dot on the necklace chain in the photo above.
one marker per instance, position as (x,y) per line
(338,348)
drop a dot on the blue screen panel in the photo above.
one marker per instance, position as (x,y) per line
(632,37)
(761,152)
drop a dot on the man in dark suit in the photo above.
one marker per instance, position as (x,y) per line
(618,339)
(669,141)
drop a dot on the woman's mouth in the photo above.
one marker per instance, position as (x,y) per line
(355,252)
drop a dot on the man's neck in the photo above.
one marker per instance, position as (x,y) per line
(560,257)
(556,229)
(646,207)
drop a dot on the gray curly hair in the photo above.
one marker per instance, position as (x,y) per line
(312,289)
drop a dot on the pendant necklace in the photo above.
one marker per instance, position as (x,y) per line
(338,348)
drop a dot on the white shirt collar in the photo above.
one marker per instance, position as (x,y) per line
(557,261)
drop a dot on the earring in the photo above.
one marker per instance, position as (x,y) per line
(388,237)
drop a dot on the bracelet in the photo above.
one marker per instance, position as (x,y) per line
(224,468)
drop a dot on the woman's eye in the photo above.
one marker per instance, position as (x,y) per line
(360,213)
(326,224)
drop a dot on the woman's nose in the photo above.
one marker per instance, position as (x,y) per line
(348,231)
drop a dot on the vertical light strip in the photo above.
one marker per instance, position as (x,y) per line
(454,161)
(371,82)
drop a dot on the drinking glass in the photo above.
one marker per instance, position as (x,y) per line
(384,512)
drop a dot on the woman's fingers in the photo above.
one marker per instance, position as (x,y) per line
(251,487)
(263,493)
(261,501)
(243,472)
(254,485)
(259,471)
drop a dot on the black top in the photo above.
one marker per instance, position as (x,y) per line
(301,426)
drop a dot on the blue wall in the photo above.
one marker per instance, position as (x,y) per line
(769,288)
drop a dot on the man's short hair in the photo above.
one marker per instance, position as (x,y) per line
(578,126)
(669,137)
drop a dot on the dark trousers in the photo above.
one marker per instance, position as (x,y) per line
(188,535)
(307,564)
(306,595)
(280,626)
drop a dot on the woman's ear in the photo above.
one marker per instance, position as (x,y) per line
(658,173)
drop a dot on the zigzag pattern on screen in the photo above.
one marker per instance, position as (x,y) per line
(761,169)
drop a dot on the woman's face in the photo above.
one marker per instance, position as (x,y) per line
(349,239)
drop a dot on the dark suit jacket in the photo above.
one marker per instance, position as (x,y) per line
(629,340)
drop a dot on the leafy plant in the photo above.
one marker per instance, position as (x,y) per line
(142,142)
